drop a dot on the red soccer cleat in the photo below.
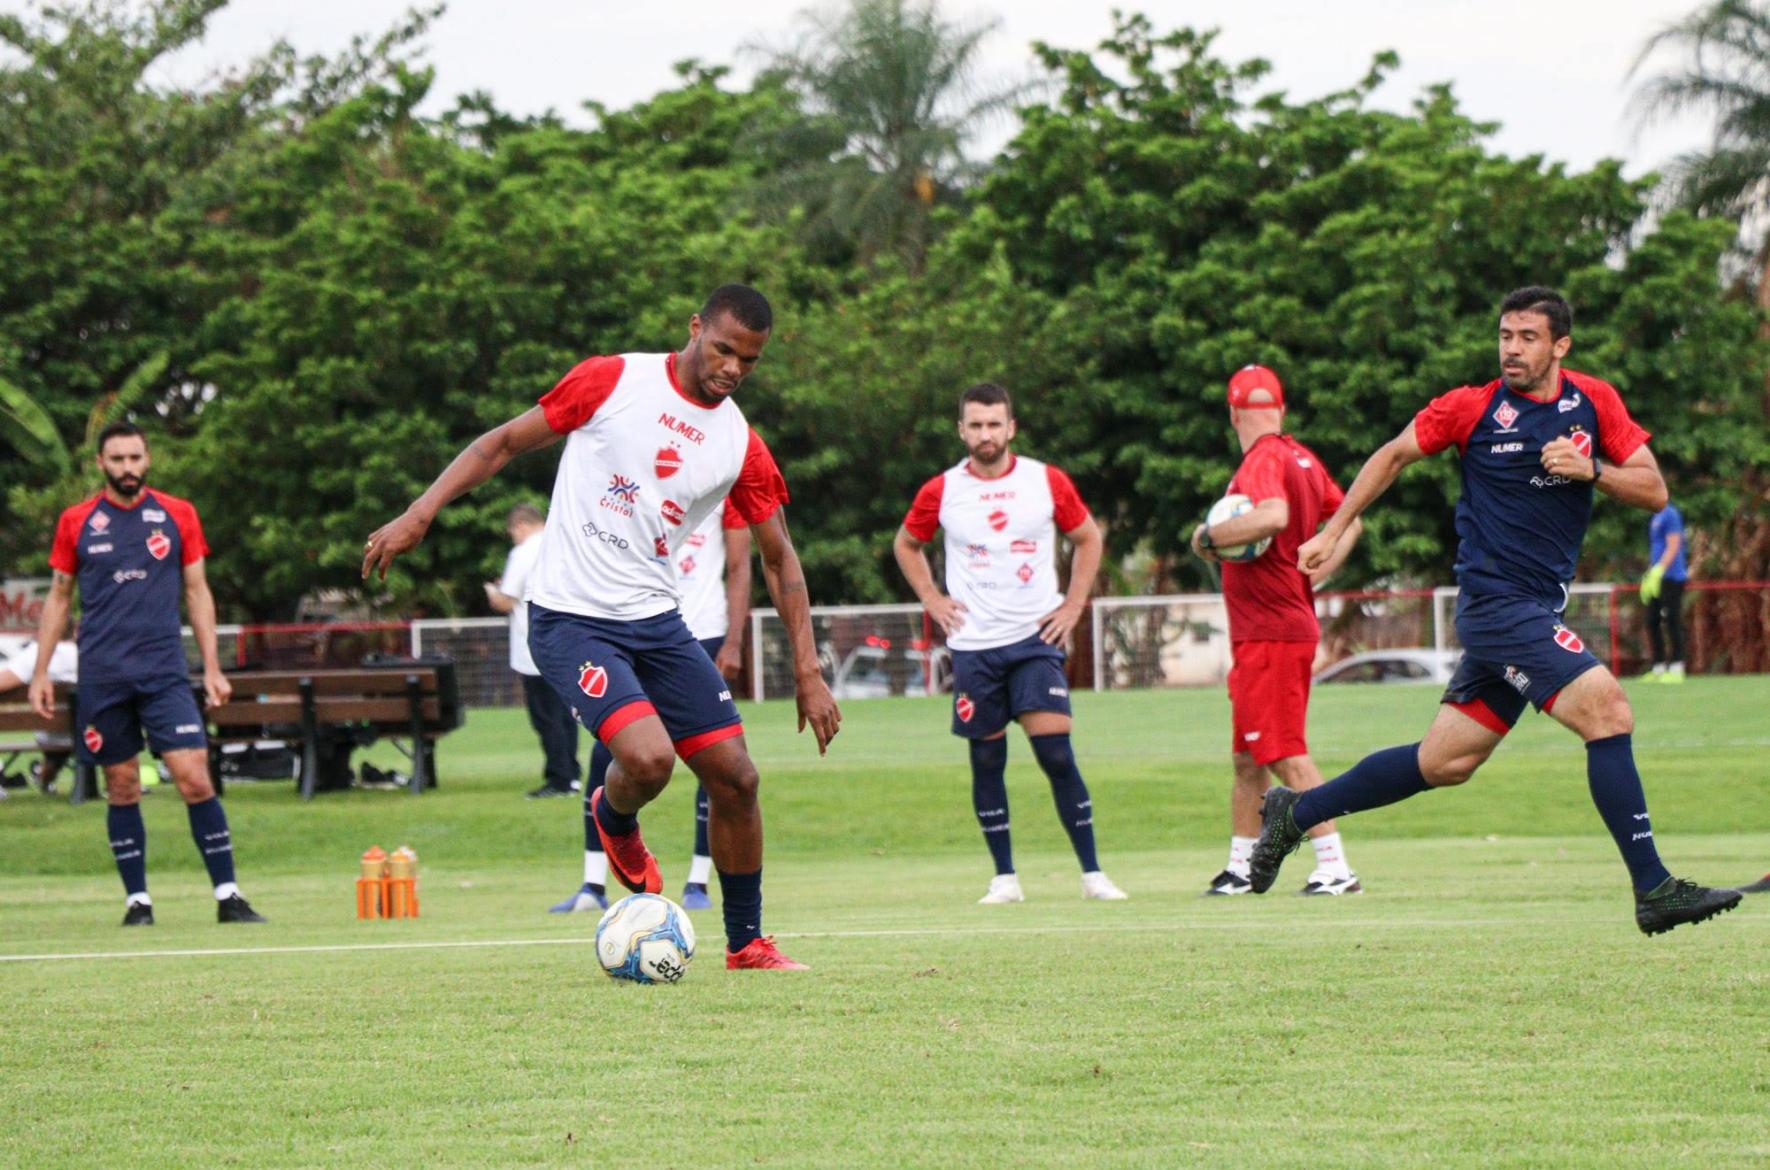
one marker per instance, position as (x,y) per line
(628,858)
(759,954)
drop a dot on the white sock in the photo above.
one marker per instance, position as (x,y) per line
(699,870)
(140,899)
(1240,849)
(1329,855)
(595,867)
(225,891)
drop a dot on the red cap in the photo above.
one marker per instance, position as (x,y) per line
(1247,384)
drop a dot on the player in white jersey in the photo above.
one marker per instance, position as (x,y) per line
(654,445)
(713,570)
(1006,621)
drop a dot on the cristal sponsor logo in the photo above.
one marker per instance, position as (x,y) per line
(1506,415)
(593,680)
(1568,640)
(1506,448)
(604,536)
(998,520)
(93,550)
(620,495)
(187,729)
(668,462)
(672,511)
(100,522)
(92,738)
(1518,680)
(1023,547)
(122,575)
(693,434)
(964,708)
(153,515)
(159,544)
(1582,442)
(978,553)
(1571,402)
(1025,573)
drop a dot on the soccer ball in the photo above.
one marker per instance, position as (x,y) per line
(645,938)
(1223,509)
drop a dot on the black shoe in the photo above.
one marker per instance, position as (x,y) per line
(138,914)
(234,908)
(1279,837)
(547,790)
(1676,901)
(1226,884)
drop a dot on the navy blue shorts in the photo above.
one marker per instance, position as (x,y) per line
(1515,650)
(613,673)
(992,687)
(113,717)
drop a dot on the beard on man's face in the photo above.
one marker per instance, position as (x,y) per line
(127,484)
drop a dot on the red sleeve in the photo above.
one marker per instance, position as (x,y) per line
(760,489)
(1067,508)
(729,518)
(1261,474)
(1450,418)
(587,386)
(190,529)
(1619,435)
(64,552)
(923,517)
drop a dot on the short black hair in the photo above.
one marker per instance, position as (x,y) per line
(747,307)
(986,394)
(1537,299)
(120,429)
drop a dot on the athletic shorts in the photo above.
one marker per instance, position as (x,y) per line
(113,717)
(612,673)
(992,687)
(1516,650)
(1269,699)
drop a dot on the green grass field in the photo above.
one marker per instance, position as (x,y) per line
(1488,1002)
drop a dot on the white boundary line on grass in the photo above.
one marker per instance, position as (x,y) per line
(896,932)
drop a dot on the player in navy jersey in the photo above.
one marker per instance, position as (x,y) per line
(1534,442)
(133,551)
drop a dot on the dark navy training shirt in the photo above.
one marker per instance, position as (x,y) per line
(1519,528)
(129,563)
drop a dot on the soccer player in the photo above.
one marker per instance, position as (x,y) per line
(1006,622)
(1662,588)
(715,604)
(1272,626)
(133,551)
(548,713)
(654,444)
(1534,442)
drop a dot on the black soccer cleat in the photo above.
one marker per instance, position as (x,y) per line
(234,908)
(1227,884)
(1279,837)
(138,914)
(1676,901)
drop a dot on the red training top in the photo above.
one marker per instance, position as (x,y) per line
(1269,599)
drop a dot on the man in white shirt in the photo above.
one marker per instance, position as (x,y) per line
(548,713)
(64,669)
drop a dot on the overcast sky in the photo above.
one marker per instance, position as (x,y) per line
(1552,73)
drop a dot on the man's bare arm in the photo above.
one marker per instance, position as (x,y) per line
(50,628)
(1084,566)
(948,614)
(730,659)
(1635,481)
(200,603)
(1266,518)
(1374,478)
(1342,550)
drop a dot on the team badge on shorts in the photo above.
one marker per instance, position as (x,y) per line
(93,740)
(1568,640)
(964,708)
(159,544)
(1582,442)
(593,680)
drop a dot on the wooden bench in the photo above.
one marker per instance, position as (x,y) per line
(414,700)
(20,726)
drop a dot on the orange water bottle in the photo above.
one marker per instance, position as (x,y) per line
(402,881)
(371,884)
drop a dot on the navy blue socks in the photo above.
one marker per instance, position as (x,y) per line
(128,845)
(989,797)
(214,842)
(615,824)
(1616,790)
(741,901)
(701,848)
(1075,808)
(1380,778)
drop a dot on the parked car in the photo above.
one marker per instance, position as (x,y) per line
(1404,665)
(867,671)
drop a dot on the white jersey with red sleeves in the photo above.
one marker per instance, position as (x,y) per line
(1001,544)
(643,466)
(700,572)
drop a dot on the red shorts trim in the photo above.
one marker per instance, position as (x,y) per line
(1483,714)
(706,739)
(622,716)
(1269,699)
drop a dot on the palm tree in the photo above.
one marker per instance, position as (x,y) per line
(894,88)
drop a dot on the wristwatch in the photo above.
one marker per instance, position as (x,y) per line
(1204,538)
(1595,467)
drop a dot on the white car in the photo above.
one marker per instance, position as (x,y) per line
(865,673)
(1405,665)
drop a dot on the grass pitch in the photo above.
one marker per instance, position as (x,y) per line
(1487,1003)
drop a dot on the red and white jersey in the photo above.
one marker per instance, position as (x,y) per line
(643,466)
(700,573)
(1001,545)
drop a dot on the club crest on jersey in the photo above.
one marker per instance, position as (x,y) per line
(1568,640)
(998,520)
(93,740)
(1571,402)
(1022,547)
(963,707)
(159,544)
(1506,415)
(668,462)
(100,521)
(593,680)
(1582,442)
(672,511)
(1025,573)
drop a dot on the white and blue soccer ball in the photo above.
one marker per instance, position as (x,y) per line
(645,938)
(1224,509)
